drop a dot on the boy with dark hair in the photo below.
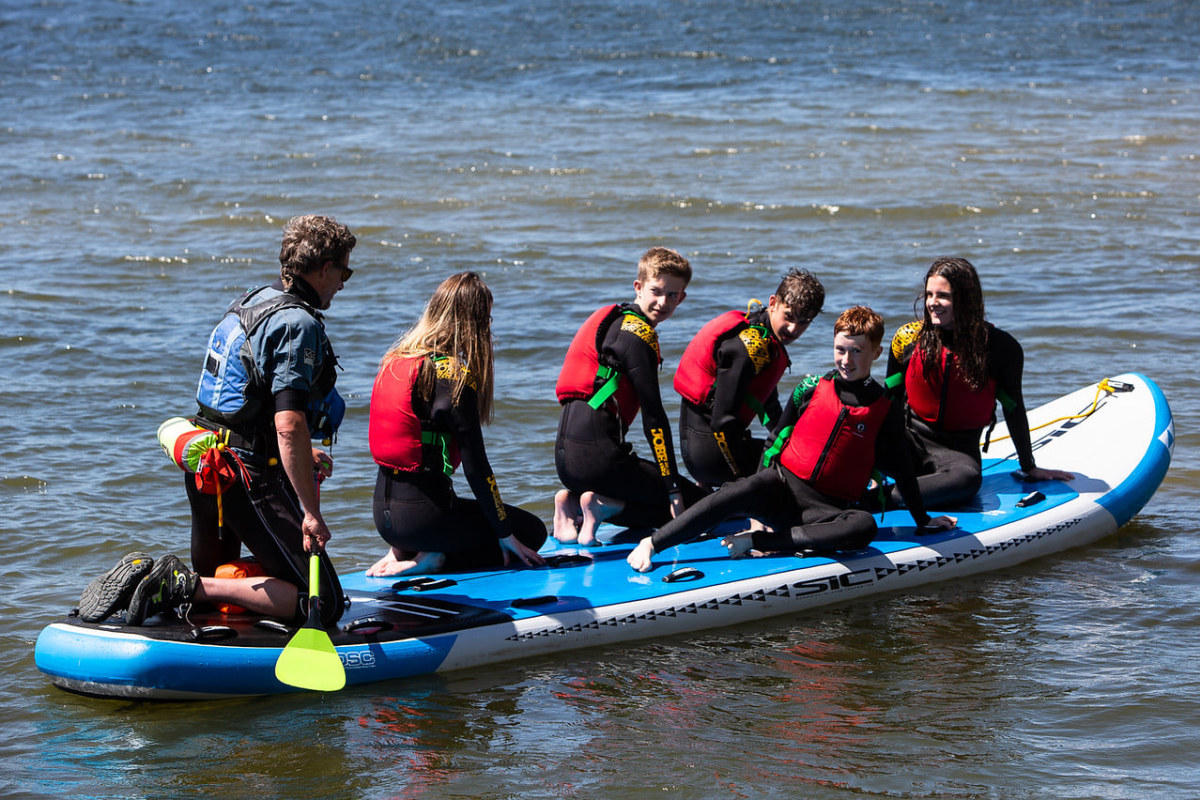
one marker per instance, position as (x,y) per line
(829,438)
(729,374)
(610,374)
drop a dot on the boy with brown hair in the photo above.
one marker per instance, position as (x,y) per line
(829,438)
(610,374)
(729,374)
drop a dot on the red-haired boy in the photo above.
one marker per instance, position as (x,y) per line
(828,442)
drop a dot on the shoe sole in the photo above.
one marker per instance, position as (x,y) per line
(111,592)
(150,596)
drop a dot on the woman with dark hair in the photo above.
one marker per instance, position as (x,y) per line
(431,397)
(952,366)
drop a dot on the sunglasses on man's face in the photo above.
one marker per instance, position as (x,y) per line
(346,271)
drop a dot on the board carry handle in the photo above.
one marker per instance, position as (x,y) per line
(423,584)
(683,574)
(366,626)
(213,633)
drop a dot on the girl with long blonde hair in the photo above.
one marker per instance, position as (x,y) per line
(431,397)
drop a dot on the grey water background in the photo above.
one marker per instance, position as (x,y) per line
(151,152)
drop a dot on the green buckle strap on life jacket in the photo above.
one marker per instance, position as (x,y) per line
(439,439)
(758,410)
(777,446)
(611,378)
(610,375)
(1006,401)
(893,380)
(443,442)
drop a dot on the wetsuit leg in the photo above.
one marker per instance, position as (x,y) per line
(526,527)
(423,515)
(268,519)
(212,544)
(821,523)
(704,457)
(407,515)
(950,472)
(762,495)
(589,456)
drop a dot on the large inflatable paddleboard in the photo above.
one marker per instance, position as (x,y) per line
(1116,436)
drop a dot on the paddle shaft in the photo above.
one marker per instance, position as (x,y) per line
(314,590)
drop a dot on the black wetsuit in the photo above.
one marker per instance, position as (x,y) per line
(948,463)
(261,509)
(699,427)
(591,454)
(801,517)
(419,511)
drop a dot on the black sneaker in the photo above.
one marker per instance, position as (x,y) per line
(110,593)
(168,586)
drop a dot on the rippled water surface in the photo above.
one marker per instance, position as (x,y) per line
(151,152)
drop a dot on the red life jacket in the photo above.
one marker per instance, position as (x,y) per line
(394,432)
(833,444)
(943,398)
(582,374)
(697,371)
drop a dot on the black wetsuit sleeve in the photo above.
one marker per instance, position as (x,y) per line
(1006,360)
(895,445)
(462,422)
(774,409)
(638,362)
(735,370)
(291,400)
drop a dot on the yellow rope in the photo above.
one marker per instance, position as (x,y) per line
(1103,387)
(221,445)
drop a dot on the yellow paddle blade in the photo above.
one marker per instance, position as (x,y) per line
(310,662)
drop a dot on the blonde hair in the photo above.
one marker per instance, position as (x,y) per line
(663,261)
(457,322)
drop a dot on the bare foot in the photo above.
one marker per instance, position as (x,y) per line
(421,564)
(739,544)
(596,509)
(567,516)
(379,567)
(639,557)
